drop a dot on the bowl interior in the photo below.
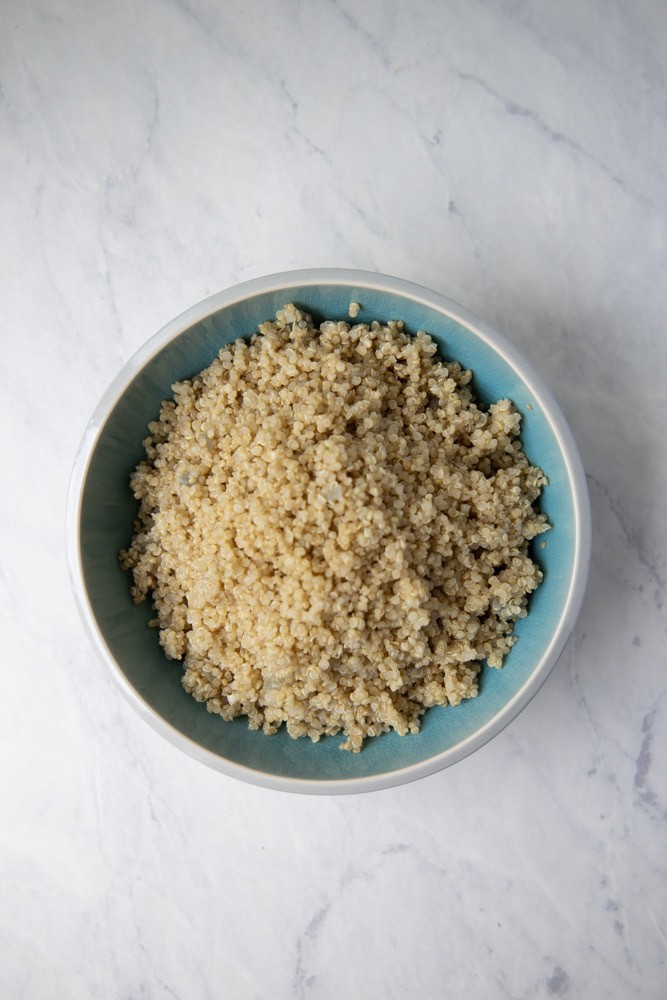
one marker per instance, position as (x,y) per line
(108,509)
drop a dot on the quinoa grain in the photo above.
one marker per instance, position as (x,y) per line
(333,532)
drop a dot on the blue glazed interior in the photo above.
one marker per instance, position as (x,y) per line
(108,510)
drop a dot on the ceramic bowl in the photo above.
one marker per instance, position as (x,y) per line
(101,511)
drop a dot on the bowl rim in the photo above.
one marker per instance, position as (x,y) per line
(357,280)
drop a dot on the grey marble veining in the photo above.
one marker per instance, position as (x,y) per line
(510,154)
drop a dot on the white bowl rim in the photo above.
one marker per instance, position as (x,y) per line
(357,280)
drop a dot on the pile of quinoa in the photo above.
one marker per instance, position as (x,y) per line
(333,532)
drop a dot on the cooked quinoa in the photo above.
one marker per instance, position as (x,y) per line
(333,532)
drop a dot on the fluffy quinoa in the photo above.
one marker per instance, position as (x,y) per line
(333,532)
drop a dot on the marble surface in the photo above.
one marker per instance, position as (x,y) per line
(510,154)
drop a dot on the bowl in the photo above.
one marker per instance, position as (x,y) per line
(101,511)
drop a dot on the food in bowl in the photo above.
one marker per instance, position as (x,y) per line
(333,531)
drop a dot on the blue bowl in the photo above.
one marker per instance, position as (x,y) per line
(101,511)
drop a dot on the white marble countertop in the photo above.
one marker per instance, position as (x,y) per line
(510,154)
